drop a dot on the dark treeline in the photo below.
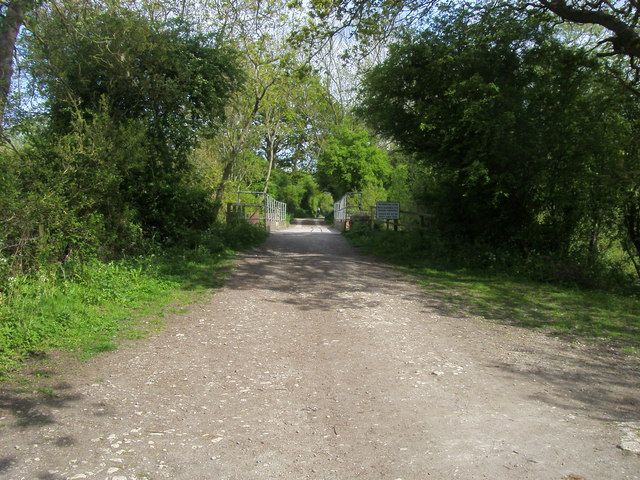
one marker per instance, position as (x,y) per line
(526,146)
(104,169)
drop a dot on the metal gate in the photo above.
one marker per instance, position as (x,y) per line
(263,210)
(348,208)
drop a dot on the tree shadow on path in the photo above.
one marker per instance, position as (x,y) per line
(35,408)
(322,272)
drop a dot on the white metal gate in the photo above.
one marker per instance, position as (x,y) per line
(349,205)
(265,209)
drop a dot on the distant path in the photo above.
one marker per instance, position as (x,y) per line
(316,363)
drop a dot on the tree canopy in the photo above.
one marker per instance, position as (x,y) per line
(512,126)
(351,161)
(525,135)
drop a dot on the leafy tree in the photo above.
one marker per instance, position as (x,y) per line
(620,19)
(370,22)
(169,81)
(12,15)
(375,21)
(281,113)
(521,132)
(267,58)
(175,79)
(321,203)
(402,185)
(295,116)
(350,160)
(299,190)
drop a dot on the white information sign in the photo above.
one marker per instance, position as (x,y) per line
(387,210)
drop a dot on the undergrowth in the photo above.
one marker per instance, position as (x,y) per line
(86,308)
(524,296)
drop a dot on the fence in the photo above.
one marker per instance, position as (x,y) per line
(407,220)
(275,212)
(261,209)
(348,209)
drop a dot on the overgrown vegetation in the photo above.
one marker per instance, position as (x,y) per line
(464,285)
(111,160)
(106,171)
(87,307)
(127,126)
(527,145)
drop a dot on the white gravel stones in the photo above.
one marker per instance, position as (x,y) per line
(630,441)
(319,363)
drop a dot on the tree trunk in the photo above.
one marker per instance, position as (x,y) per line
(226,175)
(271,153)
(9,28)
(632,222)
(625,39)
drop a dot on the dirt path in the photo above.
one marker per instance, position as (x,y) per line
(316,363)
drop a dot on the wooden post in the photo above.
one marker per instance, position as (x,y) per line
(395,225)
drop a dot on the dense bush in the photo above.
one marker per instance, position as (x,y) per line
(431,248)
(528,146)
(105,171)
(82,305)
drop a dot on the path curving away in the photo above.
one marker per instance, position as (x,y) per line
(316,363)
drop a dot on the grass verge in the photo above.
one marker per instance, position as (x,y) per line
(101,304)
(579,312)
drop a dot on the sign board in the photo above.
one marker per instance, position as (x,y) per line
(387,210)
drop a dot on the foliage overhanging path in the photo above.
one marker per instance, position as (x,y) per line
(316,362)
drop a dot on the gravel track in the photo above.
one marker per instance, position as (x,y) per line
(314,362)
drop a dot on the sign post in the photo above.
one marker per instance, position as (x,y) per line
(388,211)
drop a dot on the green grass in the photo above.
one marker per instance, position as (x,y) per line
(47,392)
(101,304)
(580,312)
